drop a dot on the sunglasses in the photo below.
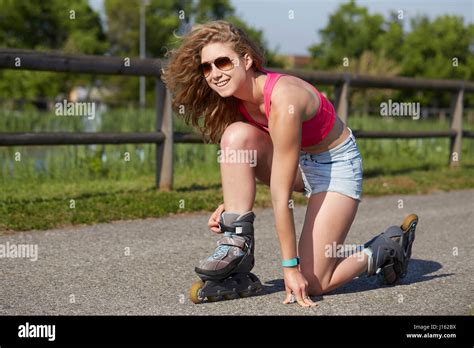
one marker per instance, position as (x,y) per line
(221,63)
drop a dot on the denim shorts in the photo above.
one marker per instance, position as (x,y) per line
(338,170)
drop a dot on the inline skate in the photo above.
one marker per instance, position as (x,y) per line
(390,252)
(226,273)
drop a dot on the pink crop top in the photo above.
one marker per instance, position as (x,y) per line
(314,130)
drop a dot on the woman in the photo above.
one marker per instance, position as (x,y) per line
(301,145)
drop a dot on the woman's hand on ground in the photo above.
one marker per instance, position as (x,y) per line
(213,222)
(296,287)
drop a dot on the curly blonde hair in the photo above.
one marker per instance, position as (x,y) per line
(189,88)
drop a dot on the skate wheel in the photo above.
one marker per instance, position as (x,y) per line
(409,220)
(194,292)
(245,294)
(231,296)
(256,289)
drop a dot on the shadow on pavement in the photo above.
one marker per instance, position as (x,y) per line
(418,271)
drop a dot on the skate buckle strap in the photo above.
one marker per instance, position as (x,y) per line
(220,252)
(233,241)
(226,228)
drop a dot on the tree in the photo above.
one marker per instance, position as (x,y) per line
(430,48)
(163,17)
(209,10)
(70,26)
(441,49)
(52,24)
(351,30)
(391,40)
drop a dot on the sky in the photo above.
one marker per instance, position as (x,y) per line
(284,21)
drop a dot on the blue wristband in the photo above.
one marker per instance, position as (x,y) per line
(291,262)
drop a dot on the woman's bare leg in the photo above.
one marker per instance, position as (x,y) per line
(238,183)
(329,216)
(238,179)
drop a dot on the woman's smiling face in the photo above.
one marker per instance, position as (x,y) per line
(227,80)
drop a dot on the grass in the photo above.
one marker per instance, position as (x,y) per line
(49,205)
(37,191)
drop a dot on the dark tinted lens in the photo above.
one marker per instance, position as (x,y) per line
(224,63)
(206,69)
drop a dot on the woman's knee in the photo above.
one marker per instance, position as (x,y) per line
(317,289)
(318,284)
(239,135)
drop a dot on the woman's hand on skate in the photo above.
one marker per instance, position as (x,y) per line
(213,222)
(296,287)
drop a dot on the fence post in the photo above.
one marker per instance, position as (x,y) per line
(164,150)
(342,100)
(456,125)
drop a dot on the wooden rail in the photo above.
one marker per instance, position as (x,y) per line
(164,137)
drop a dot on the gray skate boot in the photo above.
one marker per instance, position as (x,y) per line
(390,252)
(234,252)
(226,273)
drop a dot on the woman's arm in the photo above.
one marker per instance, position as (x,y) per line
(285,131)
(285,124)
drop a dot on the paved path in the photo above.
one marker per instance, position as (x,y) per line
(85,270)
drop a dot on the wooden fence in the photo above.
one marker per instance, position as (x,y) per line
(164,137)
